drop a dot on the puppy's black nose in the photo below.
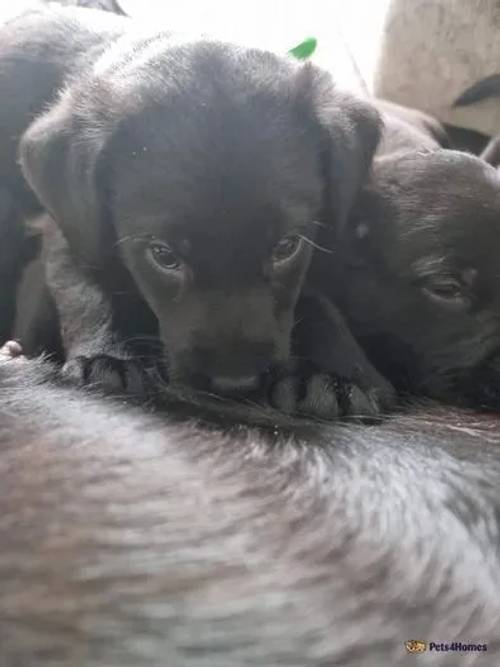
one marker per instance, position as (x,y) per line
(231,386)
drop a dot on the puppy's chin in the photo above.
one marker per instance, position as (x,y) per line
(234,366)
(237,388)
(232,384)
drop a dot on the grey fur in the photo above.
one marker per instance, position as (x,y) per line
(135,539)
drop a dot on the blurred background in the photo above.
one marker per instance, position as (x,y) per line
(421,53)
(348,33)
(425,54)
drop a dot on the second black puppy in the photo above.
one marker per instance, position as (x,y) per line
(188,180)
(420,280)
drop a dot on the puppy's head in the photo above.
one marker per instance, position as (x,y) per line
(210,170)
(422,279)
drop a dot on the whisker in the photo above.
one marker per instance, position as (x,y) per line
(122,293)
(130,237)
(146,358)
(143,339)
(315,245)
(297,357)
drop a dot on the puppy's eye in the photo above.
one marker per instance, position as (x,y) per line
(164,256)
(286,248)
(448,292)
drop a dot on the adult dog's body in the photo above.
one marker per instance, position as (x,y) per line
(145,540)
(189,183)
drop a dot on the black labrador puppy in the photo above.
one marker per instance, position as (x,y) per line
(420,285)
(189,183)
(133,539)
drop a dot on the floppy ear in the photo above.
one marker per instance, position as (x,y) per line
(351,129)
(60,156)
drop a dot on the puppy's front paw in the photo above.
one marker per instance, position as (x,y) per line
(109,373)
(315,396)
(325,396)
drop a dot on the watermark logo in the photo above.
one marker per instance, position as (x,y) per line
(415,646)
(419,646)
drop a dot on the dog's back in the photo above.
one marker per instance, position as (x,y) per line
(134,539)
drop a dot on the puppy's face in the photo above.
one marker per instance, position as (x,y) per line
(422,280)
(208,168)
(214,219)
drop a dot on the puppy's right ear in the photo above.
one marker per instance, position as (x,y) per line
(61,155)
(350,129)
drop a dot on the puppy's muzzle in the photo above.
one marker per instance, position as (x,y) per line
(228,370)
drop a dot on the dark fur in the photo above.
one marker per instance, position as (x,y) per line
(130,539)
(17,247)
(420,280)
(481,90)
(30,76)
(491,153)
(407,129)
(216,150)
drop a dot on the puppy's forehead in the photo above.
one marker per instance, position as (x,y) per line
(216,156)
(443,203)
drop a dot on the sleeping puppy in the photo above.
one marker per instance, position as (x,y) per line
(189,182)
(420,280)
(135,539)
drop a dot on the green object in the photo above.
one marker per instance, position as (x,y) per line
(305,49)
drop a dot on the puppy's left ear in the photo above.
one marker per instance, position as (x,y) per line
(62,159)
(350,129)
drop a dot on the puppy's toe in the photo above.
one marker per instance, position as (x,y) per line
(357,403)
(314,396)
(284,394)
(320,398)
(381,393)
(136,379)
(75,370)
(321,395)
(108,373)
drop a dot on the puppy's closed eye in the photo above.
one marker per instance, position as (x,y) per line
(446,291)
(444,284)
